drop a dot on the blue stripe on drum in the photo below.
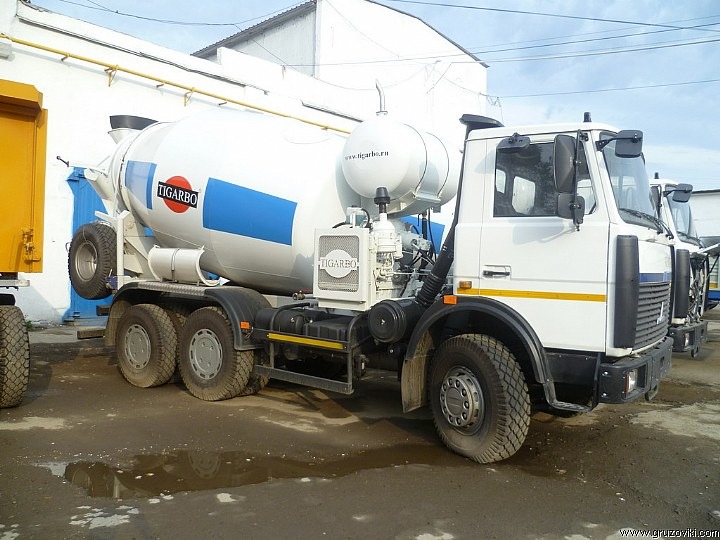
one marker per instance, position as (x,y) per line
(238,210)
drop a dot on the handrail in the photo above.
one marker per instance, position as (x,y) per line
(112,69)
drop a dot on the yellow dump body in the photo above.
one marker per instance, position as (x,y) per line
(23,136)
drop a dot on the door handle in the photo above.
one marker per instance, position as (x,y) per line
(495,273)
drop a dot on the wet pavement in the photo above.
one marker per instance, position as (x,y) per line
(89,456)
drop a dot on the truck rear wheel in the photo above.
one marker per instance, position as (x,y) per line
(14,356)
(210,366)
(479,398)
(146,344)
(92,259)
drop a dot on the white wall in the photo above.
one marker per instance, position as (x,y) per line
(290,44)
(706,212)
(431,91)
(79,99)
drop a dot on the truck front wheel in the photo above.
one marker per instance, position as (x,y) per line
(146,345)
(479,398)
(210,366)
(14,356)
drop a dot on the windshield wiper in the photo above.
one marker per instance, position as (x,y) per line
(659,225)
(690,239)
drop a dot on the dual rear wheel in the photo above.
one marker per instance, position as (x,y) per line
(153,341)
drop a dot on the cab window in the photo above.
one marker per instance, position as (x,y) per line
(524,183)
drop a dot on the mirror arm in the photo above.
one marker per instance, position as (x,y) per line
(599,145)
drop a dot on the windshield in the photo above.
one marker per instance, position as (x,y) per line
(682,217)
(631,186)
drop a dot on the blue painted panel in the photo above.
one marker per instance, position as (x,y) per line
(238,210)
(435,230)
(659,277)
(139,178)
(85,205)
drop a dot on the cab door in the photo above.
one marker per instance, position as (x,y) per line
(524,255)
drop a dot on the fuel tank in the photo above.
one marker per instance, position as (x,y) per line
(250,189)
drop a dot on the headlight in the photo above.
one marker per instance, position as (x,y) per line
(631,381)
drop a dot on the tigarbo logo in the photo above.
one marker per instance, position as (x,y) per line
(338,263)
(177,194)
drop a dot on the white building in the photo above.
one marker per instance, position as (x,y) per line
(87,73)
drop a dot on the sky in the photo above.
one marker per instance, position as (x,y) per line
(652,65)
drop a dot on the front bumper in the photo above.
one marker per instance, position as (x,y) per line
(649,368)
(689,337)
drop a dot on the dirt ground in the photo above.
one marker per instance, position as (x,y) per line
(89,456)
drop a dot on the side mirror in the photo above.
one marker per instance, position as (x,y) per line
(571,206)
(682,192)
(628,143)
(564,163)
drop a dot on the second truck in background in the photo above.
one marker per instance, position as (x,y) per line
(687,327)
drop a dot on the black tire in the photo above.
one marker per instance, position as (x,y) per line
(92,259)
(256,382)
(14,356)
(146,345)
(479,398)
(210,367)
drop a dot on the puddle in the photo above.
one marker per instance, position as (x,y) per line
(698,420)
(164,474)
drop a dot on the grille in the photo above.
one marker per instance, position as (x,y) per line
(654,300)
(348,244)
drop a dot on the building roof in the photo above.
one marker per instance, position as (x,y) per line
(272,22)
(299,11)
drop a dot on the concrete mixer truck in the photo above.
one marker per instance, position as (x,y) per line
(692,266)
(242,247)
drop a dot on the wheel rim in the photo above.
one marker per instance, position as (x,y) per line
(461,399)
(137,346)
(205,354)
(86,261)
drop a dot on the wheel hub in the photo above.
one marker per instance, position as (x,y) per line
(205,354)
(461,398)
(137,346)
(86,261)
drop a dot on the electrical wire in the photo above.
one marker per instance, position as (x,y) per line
(399,58)
(597,91)
(494,100)
(99,7)
(556,15)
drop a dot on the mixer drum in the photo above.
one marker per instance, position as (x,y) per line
(248,188)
